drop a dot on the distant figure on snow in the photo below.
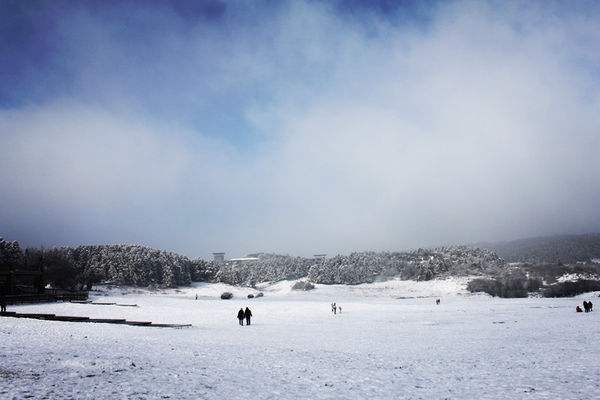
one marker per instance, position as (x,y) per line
(333,308)
(241,316)
(586,308)
(248,315)
(339,309)
(437,302)
(578,309)
(590,305)
(2,302)
(196,296)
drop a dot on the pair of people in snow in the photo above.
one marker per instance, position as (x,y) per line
(244,314)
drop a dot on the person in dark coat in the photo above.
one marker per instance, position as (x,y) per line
(2,300)
(590,305)
(241,316)
(248,315)
(578,309)
(585,306)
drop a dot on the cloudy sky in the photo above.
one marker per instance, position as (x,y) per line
(297,127)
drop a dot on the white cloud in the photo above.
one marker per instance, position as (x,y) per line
(481,125)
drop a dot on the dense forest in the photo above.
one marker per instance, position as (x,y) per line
(83,266)
(355,268)
(541,263)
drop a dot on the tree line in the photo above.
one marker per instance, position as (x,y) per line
(82,267)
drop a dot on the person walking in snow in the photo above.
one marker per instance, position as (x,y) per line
(585,306)
(339,309)
(333,308)
(590,305)
(248,315)
(241,316)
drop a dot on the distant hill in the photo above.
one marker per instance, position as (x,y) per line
(550,249)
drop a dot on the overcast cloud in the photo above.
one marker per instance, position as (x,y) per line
(303,129)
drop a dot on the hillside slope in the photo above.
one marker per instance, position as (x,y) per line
(549,249)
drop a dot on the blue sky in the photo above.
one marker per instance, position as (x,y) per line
(297,127)
(59,48)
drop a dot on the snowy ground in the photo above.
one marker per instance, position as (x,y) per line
(391,341)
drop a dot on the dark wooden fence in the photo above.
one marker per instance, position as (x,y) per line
(49,295)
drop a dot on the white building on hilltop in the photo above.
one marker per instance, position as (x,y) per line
(219,258)
(242,260)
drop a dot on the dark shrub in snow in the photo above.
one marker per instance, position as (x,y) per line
(568,289)
(483,285)
(260,294)
(250,296)
(303,285)
(226,295)
(511,284)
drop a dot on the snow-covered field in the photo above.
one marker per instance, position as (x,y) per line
(390,342)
